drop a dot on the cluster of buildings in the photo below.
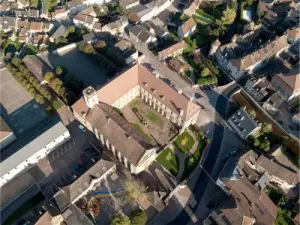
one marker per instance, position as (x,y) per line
(243,182)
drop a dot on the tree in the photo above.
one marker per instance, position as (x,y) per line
(86,48)
(266,128)
(70,30)
(100,45)
(251,112)
(205,72)
(256,142)
(56,81)
(59,70)
(49,77)
(134,189)
(40,99)
(228,16)
(265,145)
(138,217)
(16,62)
(61,40)
(119,219)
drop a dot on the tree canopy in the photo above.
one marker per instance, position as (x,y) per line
(119,219)
(49,76)
(138,217)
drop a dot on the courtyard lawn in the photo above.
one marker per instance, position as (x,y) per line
(192,161)
(134,103)
(141,132)
(169,160)
(184,142)
(155,119)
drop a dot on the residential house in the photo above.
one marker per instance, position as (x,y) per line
(172,51)
(126,50)
(89,37)
(273,103)
(280,175)
(89,11)
(140,34)
(40,40)
(5,6)
(191,9)
(20,13)
(139,10)
(59,13)
(127,4)
(245,204)
(238,60)
(86,20)
(7,23)
(75,6)
(22,4)
(258,88)
(96,111)
(37,67)
(7,136)
(97,27)
(116,27)
(59,32)
(187,28)
(243,124)
(288,83)
(33,13)
(23,26)
(39,26)
(159,31)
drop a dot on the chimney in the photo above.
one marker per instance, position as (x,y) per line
(146,85)
(162,97)
(181,112)
(180,91)
(90,97)
(157,75)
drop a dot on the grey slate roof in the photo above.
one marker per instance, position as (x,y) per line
(20,12)
(33,13)
(159,31)
(36,66)
(135,30)
(144,35)
(26,150)
(60,32)
(88,37)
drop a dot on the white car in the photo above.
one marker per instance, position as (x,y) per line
(82,128)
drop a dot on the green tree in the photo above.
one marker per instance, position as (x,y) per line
(16,62)
(134,189)
(70,30)
(101,45)
(264,145)
(256,142)
(205,72)
(56,81)
(119,219)
(266,128)
(138,217)
(59,71)
(61,40)
(49,77)
(40,99)
(87,48)
(228,16)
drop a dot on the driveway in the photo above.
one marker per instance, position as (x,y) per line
(78,64)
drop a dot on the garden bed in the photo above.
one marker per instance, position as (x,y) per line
(184,142)
(169,160)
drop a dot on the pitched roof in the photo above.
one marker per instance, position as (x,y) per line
(172,49)
(84,18)
(89,11)
(278,170)
(5,131)
(269,50)
(36,66)
(57,12)
(83,182)
(60,32)
(119,132)
(248,201)
(139,75)
(289,81)
(35,25)
(187,25)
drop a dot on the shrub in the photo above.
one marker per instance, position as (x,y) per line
(207,80)
(59,71)
(86,48)
(100,45)
(138,217)
(119,219)
(49,77)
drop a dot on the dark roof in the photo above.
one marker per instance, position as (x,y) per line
(144,36)
(159,31)
(119,132)
(88,37)
(74,216)
(84,181)
(60,32)
(135,30)
(36,66)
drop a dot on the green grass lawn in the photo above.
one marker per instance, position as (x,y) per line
(169,160)
(192,161)
(155,119)
(184,142)
(141,132)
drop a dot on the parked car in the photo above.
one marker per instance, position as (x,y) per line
(82,128)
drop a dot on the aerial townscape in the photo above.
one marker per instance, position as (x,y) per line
(135,112)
